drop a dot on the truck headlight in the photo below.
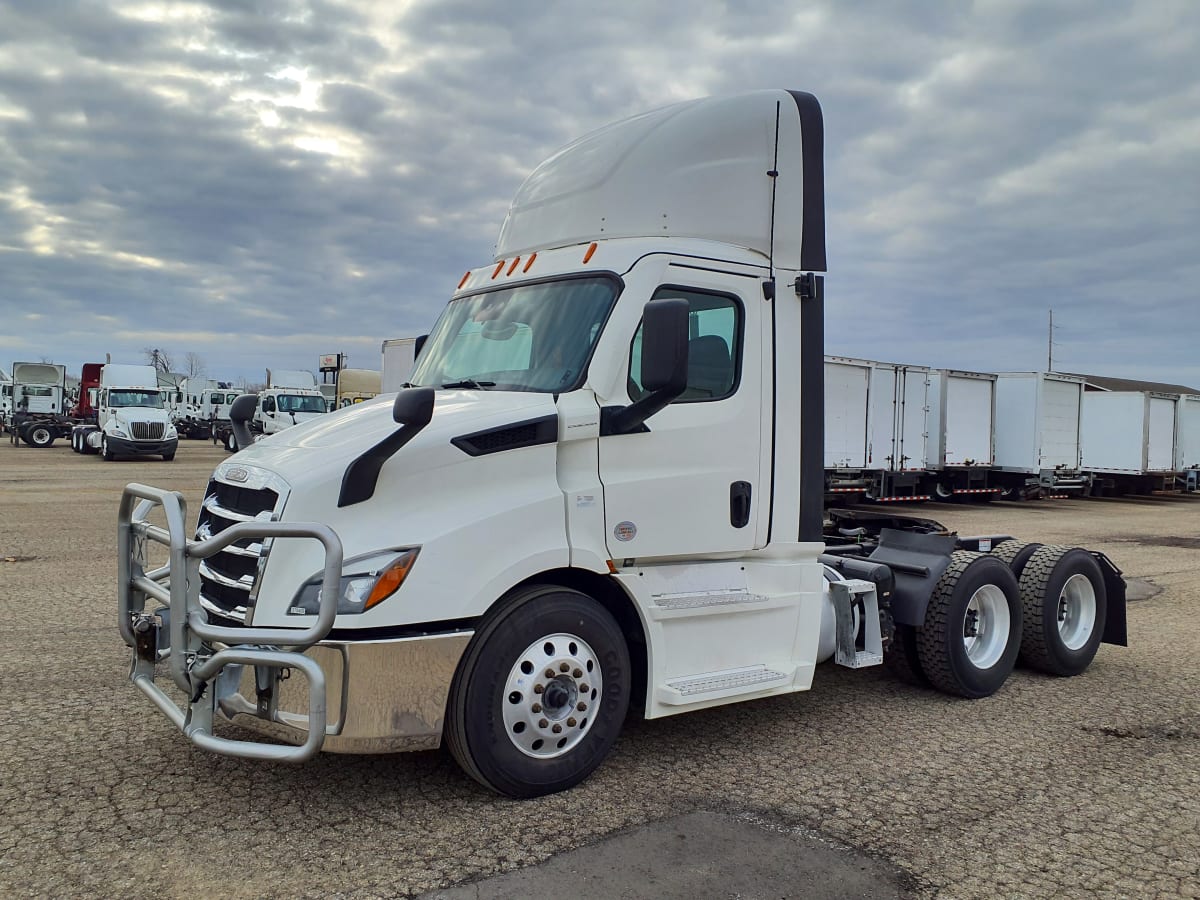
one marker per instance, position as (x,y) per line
(117,432)
(360,590)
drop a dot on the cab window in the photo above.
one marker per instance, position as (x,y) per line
(714,346)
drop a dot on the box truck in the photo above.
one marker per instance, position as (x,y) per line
(399,354)
(602,495)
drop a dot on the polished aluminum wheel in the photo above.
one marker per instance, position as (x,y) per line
(550,695)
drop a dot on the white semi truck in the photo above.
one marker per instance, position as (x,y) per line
(132,418)
(291,397)
(38,403)
(602,494)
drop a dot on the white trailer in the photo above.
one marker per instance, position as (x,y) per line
(1188,448)
(601,495)
(962,433)
(876,431)
(1128,440)
(398,354)
(1037,435)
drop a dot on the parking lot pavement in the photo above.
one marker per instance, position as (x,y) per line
(1080,787)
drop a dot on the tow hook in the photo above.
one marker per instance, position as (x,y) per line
(264,685)
(145,631)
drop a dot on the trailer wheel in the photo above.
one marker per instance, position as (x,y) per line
(540,694)
(1016,554)
(1065,605)
(969,642)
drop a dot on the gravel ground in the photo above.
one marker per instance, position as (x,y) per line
(1073,788)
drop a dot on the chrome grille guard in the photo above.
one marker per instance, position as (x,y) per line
(196,651)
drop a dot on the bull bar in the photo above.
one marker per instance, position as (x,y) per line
(197,651)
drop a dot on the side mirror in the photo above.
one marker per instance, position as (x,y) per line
(414,407)
(412,410)
(241,411)
(665,346)
(664,366)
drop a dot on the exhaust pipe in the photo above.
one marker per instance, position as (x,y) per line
(241,411)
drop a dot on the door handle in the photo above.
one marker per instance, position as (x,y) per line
(739,504)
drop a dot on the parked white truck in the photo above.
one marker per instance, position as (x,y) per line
(603,492)
(38,401)
(203,407)
(131,417)
(291,397)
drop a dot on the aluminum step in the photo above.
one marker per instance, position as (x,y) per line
(726,683)
(701,599)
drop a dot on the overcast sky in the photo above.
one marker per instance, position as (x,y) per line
(261,181)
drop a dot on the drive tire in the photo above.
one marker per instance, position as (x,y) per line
(477,733)
(1065,606)
(231,443)
(1016,554)
(977,599)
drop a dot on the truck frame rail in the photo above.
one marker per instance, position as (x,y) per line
(197,652)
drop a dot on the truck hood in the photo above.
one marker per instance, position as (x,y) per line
(128,414)
(343,435)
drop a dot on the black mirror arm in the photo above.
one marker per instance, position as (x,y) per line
(412,410)
(631,419)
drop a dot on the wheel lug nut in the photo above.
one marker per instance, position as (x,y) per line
(584,688)
(582,707)
(557,729)
(571,722)
(550,673)
(563,667)
(578,673)
(537,707)
(542,723)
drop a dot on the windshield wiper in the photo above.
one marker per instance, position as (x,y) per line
(469,383)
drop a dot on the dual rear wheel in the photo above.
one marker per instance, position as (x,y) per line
(1043,606)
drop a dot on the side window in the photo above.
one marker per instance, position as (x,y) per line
(714,346)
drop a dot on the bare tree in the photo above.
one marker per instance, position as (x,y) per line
(160,359)
(194,365)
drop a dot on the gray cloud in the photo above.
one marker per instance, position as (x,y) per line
(260,181)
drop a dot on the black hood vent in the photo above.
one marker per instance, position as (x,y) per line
(529,433)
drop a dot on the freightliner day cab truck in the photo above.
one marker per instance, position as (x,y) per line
(131,417)
(601,494)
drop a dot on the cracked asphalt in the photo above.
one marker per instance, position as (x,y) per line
(1080,787)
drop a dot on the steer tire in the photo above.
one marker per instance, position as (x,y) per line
(40,436)
(491,684)
(108,455)
(1065,605)
(941,640)
(1016,554)
(231,443)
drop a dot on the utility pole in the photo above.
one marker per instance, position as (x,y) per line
(1050,344)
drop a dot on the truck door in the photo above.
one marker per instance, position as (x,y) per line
(692,485)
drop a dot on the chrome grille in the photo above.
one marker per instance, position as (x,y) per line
(147,431)
(228,579)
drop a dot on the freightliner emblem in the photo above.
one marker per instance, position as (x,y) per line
(238,474)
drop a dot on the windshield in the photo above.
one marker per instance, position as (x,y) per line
(536,337)
(152,399)
(295,403)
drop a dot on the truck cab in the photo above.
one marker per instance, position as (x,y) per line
(601,492)
(281,408)
(132,418)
